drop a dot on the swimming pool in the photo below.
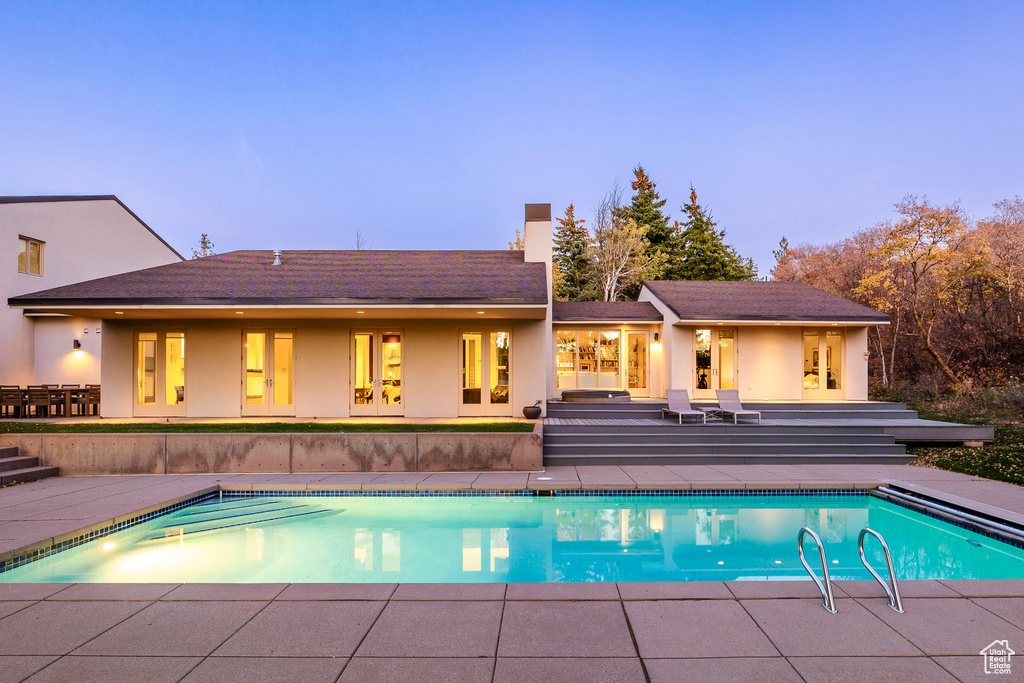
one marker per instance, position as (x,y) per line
(522,539)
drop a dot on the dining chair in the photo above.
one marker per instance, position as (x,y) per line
(92,398)
(38,398)
(10,400)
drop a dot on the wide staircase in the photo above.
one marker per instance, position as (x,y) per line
(16,468)
(790,433)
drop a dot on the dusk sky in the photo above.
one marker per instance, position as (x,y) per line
(429,125)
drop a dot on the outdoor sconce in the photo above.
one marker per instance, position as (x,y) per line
(867,354)
(655,336)
(77,346)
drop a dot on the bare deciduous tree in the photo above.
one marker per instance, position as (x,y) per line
(618,248)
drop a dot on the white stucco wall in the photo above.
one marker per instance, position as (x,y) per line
(55,360)
(856,363)
(770,363)
(83,240)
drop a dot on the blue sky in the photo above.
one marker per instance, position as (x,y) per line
(429,125)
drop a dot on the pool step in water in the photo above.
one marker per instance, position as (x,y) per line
(195,521)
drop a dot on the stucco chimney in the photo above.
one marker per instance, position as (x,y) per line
(537,236)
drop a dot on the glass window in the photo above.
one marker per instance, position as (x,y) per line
(587,376)
(363,384)
(499,366)
(703,355)
(255,347)
(174,368)
(566,359)
(610,359)
(834,359)
(30,256)
(726,359)
(283,368)
(636,345)
(471,368)
(391,372)
(811,375)
(146,371)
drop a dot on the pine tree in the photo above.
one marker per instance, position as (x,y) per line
(572,262)
(703,253)
(645,210)
(661,239)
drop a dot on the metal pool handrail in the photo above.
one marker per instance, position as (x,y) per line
(894,593)
(829,602)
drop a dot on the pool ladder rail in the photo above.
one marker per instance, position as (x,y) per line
(826,588)
(894,593)
(828,600)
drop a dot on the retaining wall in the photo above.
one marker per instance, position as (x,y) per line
(195,453)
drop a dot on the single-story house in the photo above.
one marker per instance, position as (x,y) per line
(443,334)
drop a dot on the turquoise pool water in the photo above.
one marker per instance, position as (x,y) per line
(513,539)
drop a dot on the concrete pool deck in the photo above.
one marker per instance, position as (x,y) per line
(502,632)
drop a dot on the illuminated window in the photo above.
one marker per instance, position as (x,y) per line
(30,256)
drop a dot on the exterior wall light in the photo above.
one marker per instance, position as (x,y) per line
(77,346)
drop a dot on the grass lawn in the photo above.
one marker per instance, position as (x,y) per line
(1003,459)
(11,427)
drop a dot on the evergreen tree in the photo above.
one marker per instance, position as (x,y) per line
(703,253)
(661,239)
(645,210)
(572,262)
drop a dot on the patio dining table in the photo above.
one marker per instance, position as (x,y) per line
(65,394)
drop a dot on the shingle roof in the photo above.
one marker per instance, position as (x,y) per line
(568,311)
(757,300)
(316,277)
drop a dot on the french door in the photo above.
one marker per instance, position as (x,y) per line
(714,361)
(637,345)
(268,378)
(486,371)
(823,364)
(159,374)
(376,387)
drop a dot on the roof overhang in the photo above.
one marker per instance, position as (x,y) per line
(609,321)
(237,311)
(803,322)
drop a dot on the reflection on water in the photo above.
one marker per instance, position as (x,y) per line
(523,539)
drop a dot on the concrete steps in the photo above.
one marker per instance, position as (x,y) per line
(16,468)
(635,433)
(651,409)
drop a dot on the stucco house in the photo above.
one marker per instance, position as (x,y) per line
(58,240)
(441,334)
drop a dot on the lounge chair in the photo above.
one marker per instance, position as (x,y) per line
(679,404)
(729,404)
